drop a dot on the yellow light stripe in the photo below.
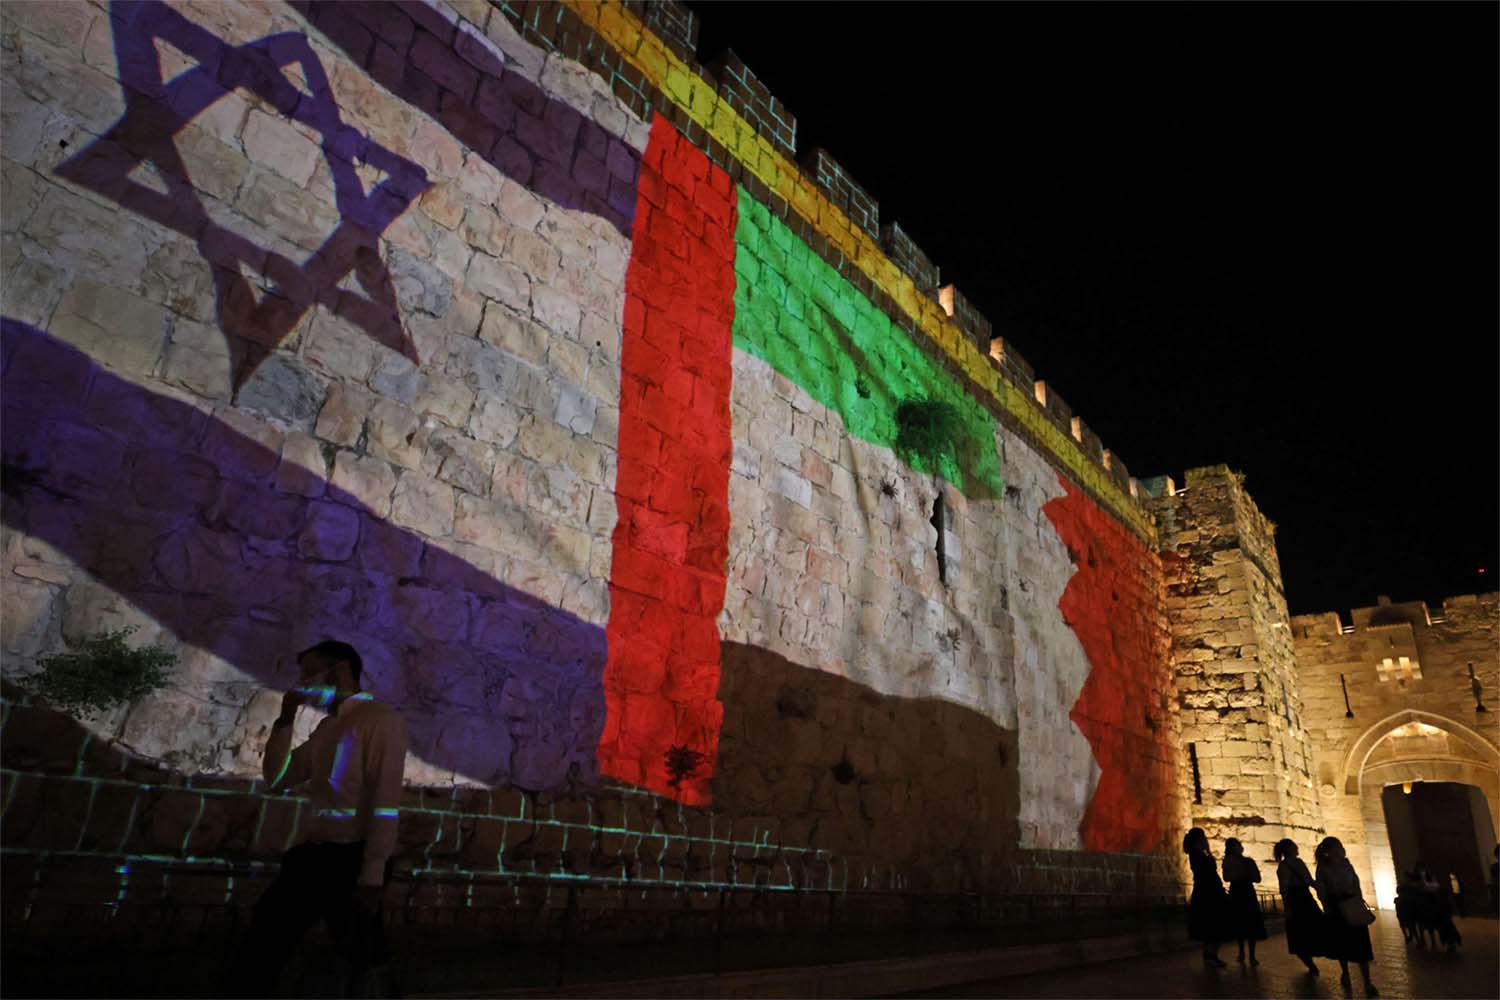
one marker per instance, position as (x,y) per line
(677,81)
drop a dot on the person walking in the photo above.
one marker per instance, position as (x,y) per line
(1245,920)
(1304,920)
(1208,905)
(1348,918)
(351,771)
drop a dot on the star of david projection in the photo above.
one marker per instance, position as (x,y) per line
(156,109)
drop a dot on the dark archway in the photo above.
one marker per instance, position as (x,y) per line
(1444,825)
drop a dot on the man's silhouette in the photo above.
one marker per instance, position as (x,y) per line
(350,769)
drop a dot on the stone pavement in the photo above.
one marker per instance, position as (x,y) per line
(1399,971)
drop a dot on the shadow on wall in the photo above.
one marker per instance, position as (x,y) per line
(927,787)
(186,517)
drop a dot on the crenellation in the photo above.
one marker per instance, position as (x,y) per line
(910,259)
(1009,359)
(966,315)
(849,197)
(672,22)
(1087,440)
(747,95)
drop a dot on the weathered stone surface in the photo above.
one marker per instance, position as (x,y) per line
(277,143)
(330,532)
(121,330)
(367,480)
(197,359)
(500,280)
(419,285)
(423,504)
(281,388)
(90,609)
(304,468)
(342,418)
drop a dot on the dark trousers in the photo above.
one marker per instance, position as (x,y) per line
(316,882)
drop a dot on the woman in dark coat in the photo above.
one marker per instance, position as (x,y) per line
(1304,920)
(1337,882)
(1245,922)
(1208,905)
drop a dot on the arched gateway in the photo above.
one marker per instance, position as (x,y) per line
(1406,760)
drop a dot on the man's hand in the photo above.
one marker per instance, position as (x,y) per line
(290,702)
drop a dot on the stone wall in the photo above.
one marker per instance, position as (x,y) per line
(494,340)
(1237,684)
(1410,712)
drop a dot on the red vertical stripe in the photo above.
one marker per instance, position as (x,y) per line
(1112,603)
(671,543)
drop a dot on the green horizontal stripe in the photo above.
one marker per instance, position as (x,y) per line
(799,315)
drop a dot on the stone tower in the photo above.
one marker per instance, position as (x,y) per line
(1245,744)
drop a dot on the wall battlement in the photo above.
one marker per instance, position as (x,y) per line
(684,98)
(1386,613)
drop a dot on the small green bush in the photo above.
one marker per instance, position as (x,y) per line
(102,672)
(928,431)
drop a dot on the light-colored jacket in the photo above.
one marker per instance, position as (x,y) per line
(351,769)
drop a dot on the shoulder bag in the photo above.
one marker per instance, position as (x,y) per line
(1355,912)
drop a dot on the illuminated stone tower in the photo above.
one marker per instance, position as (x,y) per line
(1241,711)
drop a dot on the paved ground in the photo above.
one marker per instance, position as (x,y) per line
(1399,971)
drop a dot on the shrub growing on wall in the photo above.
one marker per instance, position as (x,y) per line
(929,433)
(102,672)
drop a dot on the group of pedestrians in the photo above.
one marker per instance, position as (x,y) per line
(1337,929)
(1424,908)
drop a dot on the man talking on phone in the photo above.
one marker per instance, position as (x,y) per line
(350,770)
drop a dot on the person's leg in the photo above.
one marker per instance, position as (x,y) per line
(1344,973)
(1311,965)
(1240,956)
(347,926)
(282,915)
(1364,973)
(1253,960)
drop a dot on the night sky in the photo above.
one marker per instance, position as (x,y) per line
(1263,236)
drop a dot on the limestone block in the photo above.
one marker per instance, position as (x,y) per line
(197,359)
(423,504)
(576,409)
(27,619)
(342,418)
(396,377)
(500,280)
(448,400)
(303,469)
(181,731)
(121,330)
(368,480)
(108,243)
(278,143)
(171,481)
(396,434)
(419,285)
(570,362)
(495,420)
(514,332)
(330,532)
(459,460)
(271,201)
(91,608)
(32,287)
(792,486)
(284,390)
